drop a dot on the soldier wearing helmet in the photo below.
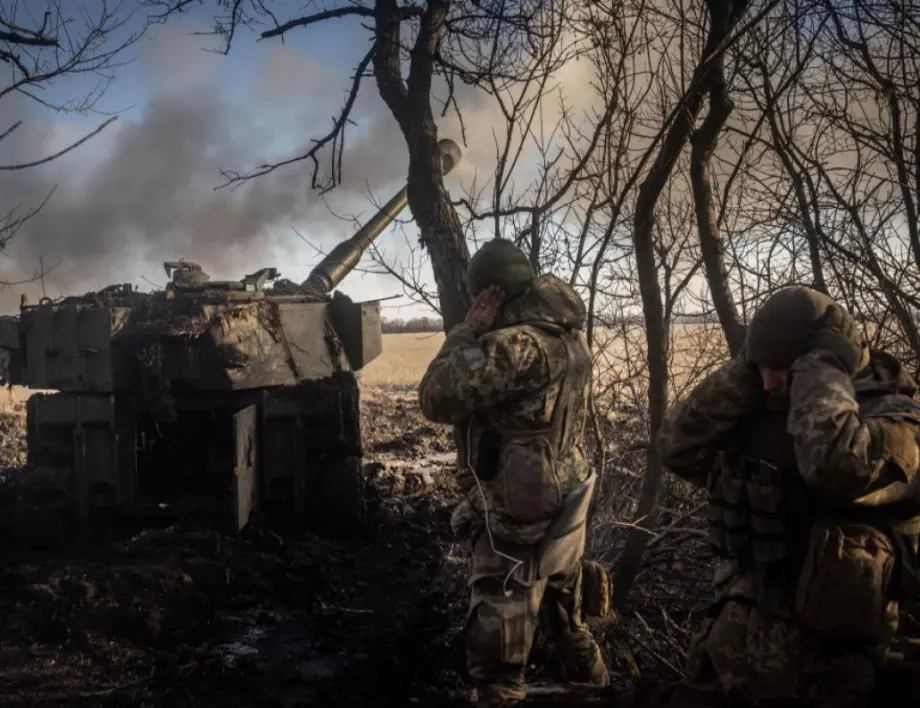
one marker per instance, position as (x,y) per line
(514,379)
(808,446)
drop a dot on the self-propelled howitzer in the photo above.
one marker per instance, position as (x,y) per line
(229,397)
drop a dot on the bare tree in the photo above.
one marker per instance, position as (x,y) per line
(40,51)
(724,17)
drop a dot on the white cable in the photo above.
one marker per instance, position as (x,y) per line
(485,510)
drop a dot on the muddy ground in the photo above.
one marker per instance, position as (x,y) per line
(184,616)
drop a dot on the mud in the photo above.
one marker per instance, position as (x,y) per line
(181,616)
(185,616)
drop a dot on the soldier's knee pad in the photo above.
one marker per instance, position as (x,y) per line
(498,632)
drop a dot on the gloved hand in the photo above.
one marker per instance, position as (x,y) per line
(838,336)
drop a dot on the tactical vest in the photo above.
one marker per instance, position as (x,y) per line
(520,468)
(761,510)
(536,510)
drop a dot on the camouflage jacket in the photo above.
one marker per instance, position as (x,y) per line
(855,439)
(509,378)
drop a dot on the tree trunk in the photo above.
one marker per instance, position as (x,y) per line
(410,103)
(724,15)
(704,144)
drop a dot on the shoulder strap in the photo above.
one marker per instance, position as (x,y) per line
(561,423)
(895,406)
(549,327)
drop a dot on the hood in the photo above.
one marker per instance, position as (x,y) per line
(884,375)
(549,299)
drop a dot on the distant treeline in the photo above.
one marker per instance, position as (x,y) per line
(434,324)
(416,324)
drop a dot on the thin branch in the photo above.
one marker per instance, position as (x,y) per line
(234,178)
(72,146)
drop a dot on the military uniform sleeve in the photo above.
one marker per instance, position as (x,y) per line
(695,427)
(470,374)
(845,458)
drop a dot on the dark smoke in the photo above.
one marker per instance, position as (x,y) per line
(143,193)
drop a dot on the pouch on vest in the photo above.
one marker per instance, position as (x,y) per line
(727,510)
(745,509)
(596,589)
(895,423)
(845,584)
(765,503)
(528,480)
(564,543)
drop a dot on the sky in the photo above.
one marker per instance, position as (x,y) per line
(142,191)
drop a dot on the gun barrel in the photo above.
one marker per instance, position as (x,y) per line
(339,262)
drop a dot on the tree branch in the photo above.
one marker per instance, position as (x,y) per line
(333,136)
(358,11)
(59,153)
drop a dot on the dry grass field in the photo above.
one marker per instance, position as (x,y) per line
(13,399)
(619,354)
(404,360)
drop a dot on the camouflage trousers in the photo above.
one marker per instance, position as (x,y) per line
(748,656)
(502,620)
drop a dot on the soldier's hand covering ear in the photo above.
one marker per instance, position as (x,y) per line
(838,336)
(485,310)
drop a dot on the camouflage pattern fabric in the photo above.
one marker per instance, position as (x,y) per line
(851,456)
(750,656)
(855,442)
(509,380)
(597,593)
(696,427)
(500,627)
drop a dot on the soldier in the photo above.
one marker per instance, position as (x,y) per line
(809,448)
(514,378)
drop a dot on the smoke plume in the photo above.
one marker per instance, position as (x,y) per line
(142,192)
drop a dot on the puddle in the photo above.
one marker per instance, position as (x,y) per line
(244,644)
(231,653)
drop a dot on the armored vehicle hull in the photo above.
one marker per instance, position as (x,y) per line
(227,398)
(291,452)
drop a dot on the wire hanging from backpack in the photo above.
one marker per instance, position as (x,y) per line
(485,510)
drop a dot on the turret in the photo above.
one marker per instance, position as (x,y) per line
(333,269)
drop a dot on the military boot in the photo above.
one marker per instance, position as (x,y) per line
(584,660)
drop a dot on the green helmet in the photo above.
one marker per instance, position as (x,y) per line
(785,326)
(499,262)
